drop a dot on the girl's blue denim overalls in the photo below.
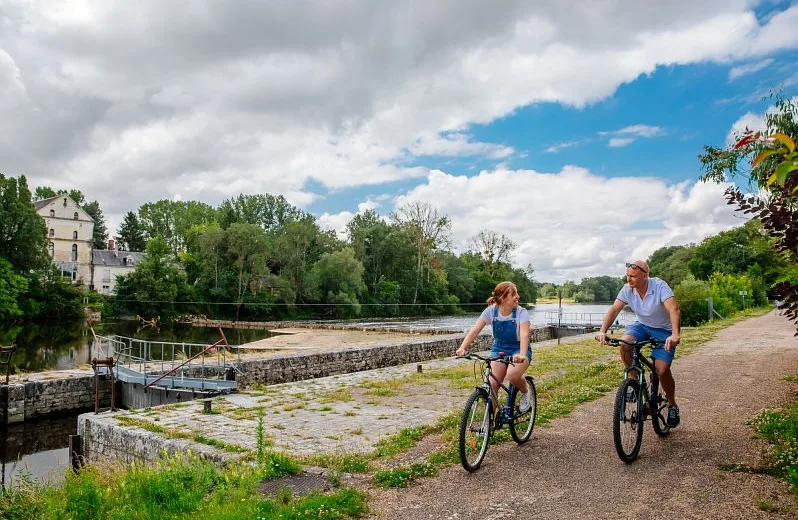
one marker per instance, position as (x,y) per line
(505,335)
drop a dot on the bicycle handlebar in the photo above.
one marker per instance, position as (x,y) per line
(617,342)
(501,358)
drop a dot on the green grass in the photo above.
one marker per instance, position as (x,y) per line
(779,427)
(182,487)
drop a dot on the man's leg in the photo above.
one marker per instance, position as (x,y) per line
(626,354)
(666,380)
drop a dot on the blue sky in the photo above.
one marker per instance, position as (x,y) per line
(570,127)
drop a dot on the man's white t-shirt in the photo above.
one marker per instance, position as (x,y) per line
(649,309)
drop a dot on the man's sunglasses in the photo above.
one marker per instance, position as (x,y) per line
(635,266)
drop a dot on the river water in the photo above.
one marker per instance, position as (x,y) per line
(40,448)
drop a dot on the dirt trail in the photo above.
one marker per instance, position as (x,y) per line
(570,469)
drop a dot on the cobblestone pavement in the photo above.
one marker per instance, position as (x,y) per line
(342,413)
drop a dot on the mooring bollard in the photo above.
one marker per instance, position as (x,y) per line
(207,405)
(419,369)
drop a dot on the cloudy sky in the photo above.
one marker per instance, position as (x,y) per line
(572,127)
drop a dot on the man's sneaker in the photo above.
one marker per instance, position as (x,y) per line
(673,416)
(631,395)
(524,405)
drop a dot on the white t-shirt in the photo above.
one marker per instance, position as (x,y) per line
(521,315)
(649,309)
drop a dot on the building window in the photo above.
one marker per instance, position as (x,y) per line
(74,252)
(107,275)
(51,249)
(52,232)
(75,216)
(52,213)
(106,289)
(128,261)
(74,235)
(74,275)
(65,204)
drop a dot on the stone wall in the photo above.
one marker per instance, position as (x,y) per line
(104,440)
(54,396)
(73,394)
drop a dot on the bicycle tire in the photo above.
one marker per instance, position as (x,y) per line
(475,430)
(522,424)
(658,421)
(627,428)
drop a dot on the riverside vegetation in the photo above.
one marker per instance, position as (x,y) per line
(187,486)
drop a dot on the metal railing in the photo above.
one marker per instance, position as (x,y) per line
(156,360)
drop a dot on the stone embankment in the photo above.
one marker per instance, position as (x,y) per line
(61,392)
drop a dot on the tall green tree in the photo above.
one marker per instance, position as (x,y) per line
(266,210)
(12,285)
(156,284)
(131,233)
(428,231)
(671,263)
(339,281)
(23,235)
(493,248)
(172,220)
(46,192)
(100,235)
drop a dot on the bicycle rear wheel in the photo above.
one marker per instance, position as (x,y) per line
(475,430)
(521,424)
(659,410)
(627,426)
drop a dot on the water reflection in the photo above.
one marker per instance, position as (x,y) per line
(36,448)
(66,346)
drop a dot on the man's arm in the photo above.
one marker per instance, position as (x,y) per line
(675,315)
(609,319)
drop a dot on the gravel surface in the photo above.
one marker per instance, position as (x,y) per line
(570,469)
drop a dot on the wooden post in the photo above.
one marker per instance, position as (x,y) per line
(206,405)
(75,452)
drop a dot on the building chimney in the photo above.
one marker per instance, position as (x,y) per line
(111,244)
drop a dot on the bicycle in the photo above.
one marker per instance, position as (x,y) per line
(479,420)
(632,408)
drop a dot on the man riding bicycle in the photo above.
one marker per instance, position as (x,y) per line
(658,318)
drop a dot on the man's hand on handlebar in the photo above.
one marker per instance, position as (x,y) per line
(672,341)
(601,337)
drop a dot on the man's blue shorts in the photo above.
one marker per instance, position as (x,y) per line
(643,332)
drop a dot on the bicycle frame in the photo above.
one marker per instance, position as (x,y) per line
(648,393)
(506,416)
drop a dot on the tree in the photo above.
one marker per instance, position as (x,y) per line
(428,231)
(734,251)
(100,235)
(12,286)
(131,233)
(493,248)
(46,192)
(671,264)
(773,171)
(156,284)
(266,210)
(339,282)
(23,235)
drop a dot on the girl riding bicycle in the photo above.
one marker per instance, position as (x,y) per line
(510,324)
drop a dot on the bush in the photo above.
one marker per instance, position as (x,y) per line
(692,296)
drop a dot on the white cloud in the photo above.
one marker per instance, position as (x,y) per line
(618,142)
(751,121)
(750,68)
(136,102)
(573,223)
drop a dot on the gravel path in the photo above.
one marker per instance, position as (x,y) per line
(570,469)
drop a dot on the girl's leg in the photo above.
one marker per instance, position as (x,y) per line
(499,371)
(515,374)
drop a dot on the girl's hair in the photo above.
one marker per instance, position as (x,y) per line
(501,291)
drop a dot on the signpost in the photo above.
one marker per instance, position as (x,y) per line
(743,294)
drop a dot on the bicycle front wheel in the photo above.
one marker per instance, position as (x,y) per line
(627,426)
(475,430)
(522,423)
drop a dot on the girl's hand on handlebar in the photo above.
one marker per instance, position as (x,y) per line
(601,337)
(518,358)
(462,351)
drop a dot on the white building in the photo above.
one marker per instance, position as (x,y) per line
(107,264)
(70,232)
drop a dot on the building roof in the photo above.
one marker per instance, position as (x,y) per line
(39,204)
(113,257)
